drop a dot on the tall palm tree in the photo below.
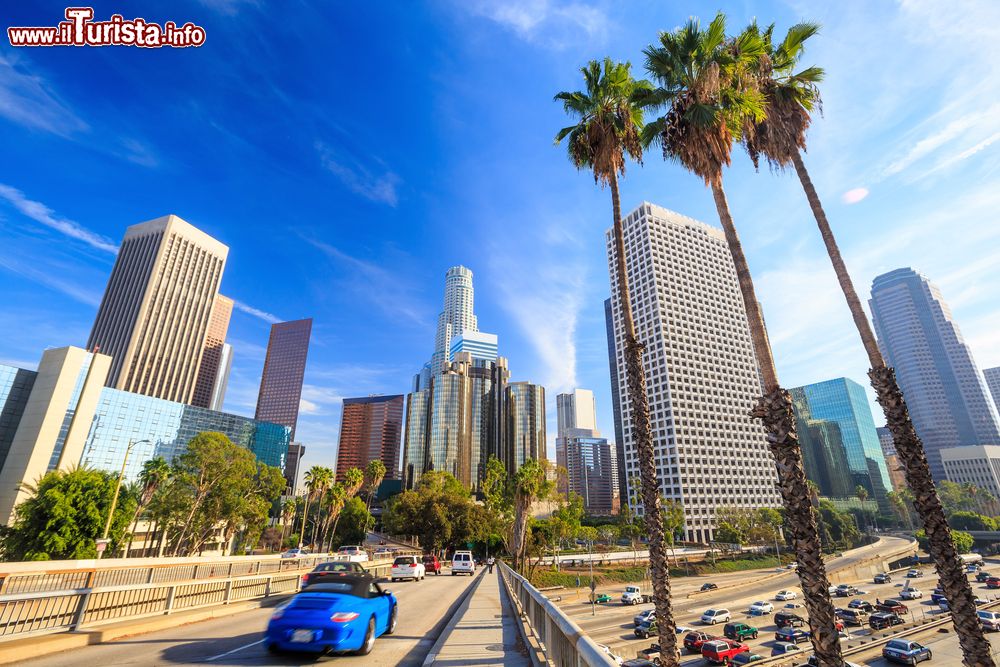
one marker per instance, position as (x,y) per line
(374,474)
(154,472)
(707,81)
(530,484)
(288,507)
(313,478)
(861,493)
(609,121)
(790,97)
(354,479)
(334,501)
(322,479)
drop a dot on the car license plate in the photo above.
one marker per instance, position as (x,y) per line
(302,636)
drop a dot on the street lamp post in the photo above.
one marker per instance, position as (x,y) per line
(593,591)
(114,499)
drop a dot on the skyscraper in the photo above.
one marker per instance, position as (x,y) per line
(843,403)
(211,358)
(284,369)
(524,404)
(576,411)
(609,324)
(892,462)
(477,343)
(590,462)
(221,378)
(370,429)
(156,308)
(944,390)
(591,471)
(458,315)
(700,368)
(281,381)
(457,422)
(992,376)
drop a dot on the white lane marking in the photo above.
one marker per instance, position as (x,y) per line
(235,650)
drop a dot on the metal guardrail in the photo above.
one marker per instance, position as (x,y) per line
(48,602)
(563,642)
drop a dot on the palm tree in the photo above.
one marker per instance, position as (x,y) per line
(322,479)
(374,474)
(313,478)
(861,493)
(790,97)
(334,500)
(609,115)
(530,484)
(288,507)
(154,472)
(707,81)
(354,479)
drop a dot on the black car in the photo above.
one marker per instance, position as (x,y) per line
(883,578)
(791,635)
(708,587)
(337,568)
(884,620)
(784,619)
(863,605)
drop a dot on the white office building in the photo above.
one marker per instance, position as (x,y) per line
(701,372)
(976,464)
(576,410)
(992,376)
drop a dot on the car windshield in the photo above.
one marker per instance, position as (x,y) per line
(338,567)
(898,644)
(403,560)
(428,559)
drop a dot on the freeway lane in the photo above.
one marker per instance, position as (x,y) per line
(424,608)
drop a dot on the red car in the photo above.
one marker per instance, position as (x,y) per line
(432,564)
(993,582)
(892,607)
(693,641)
(721,651)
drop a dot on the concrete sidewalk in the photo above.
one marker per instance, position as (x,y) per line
(483,631)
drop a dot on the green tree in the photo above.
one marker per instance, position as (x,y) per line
(334,501)
(961,540)
(530,485)
(64,515)
(498,503)
(374,474)
(971,521)
(439,511)
(352,527)
(707,82)
(154,472)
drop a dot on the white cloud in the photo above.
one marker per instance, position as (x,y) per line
(359,178)
(41,213)
(28,100)
(548,22)
(854,195)
(255,312)
(307,407)
(52,280)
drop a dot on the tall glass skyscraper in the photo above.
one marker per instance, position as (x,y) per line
(457,317)
(992,377)
(524,404)
(945,392)
(616,407)
(836,425)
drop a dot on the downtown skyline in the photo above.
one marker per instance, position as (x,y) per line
(357,244)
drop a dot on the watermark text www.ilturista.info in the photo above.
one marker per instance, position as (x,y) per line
(80,29)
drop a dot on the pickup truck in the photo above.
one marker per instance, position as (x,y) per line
(634,595)
(721,651)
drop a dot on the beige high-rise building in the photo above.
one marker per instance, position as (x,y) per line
(154,317)
(69,382)
(701,373)
(212,357)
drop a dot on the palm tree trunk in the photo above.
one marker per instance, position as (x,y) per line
(954,583)
(305,516)
(775,412)
(635,378)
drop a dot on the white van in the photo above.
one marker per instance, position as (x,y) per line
(463,563)
(352,553)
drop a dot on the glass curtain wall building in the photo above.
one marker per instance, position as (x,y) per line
(525,438)
(837,416)
(592,472)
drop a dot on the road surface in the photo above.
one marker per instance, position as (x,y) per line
(424,608)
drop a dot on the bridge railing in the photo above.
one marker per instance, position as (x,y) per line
(562,640)
(47,601)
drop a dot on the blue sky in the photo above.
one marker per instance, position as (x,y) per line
(348,153)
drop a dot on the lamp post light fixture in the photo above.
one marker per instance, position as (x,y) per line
(114,499)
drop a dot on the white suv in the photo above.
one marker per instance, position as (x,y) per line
(989,619)
(713,616)
(354,554)
(462,562)
(407,567)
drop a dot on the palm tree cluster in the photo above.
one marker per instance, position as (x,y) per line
(326,498)
(712,91)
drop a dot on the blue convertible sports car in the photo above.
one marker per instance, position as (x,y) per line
(345,614)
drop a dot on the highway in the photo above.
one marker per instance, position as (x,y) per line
(424,608)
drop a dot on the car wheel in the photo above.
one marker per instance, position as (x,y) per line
(392,621)
(273,649)
(369,642)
